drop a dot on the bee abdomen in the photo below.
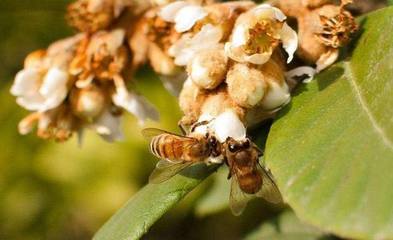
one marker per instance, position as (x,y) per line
(166,146)
(250,182)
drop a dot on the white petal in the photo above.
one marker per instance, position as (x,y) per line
(301,71)
(55,100)
(259,58)
(184,57)
(227,125)
(185,49)
(137,105)
(327,59)
(277,96)
(109,127)
(209,34)
(31,102)
(53,80)
(267,11)
(168,13)
(289,40)
(187,17)
(54,88)
(239,36)
(26,81)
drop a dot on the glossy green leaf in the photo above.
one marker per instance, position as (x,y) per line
(216,199)
(149,204)
(287,227)
(331,149)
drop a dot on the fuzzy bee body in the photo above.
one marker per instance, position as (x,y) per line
(179,152)
(249,178)
(178,148)
(242,159)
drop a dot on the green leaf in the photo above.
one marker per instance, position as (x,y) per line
(287,227)
(149,204)
(216,198)
(331,149)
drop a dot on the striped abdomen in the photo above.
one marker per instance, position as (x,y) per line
(176,148)
(250,180)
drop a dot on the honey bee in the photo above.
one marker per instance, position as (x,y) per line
(249,178)
(179,152)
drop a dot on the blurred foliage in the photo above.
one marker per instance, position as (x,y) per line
(61,191)
(287,226)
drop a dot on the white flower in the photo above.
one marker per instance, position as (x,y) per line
(185,49)
(37,91)
(133,103)
(277,96)
(183,14)
(108,127)
(257,33)
(227,125)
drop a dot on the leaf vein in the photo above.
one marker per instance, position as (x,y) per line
(377,128)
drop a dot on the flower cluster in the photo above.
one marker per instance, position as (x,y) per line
(81,82)
(234,59)
(218,57)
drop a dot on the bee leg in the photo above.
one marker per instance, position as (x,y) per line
(182,127)
(229,173)
(198,124)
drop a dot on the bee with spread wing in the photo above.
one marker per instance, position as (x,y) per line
(179,152)
(249,178)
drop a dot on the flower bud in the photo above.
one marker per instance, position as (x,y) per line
(219,101)
(90,16)
(208,69)
(246,85)
(88,103)
(191,99)
(35,59)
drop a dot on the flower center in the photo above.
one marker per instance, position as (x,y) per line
(337,30)
(263,37)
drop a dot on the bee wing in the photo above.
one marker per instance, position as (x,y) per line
(165,170)
(269,190)
(238,199)
(152,132)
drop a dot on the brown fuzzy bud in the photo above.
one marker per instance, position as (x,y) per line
(250,85)
(246,85)
(88,103)
(86,17)
(191,99)
(208,69)
(219,101)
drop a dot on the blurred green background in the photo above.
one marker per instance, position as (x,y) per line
(62,191)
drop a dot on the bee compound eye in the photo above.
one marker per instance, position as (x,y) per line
(213,141)
(232,147)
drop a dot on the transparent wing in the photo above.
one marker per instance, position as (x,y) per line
(269,190)
(152,132)
(238,199)
(165,170)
